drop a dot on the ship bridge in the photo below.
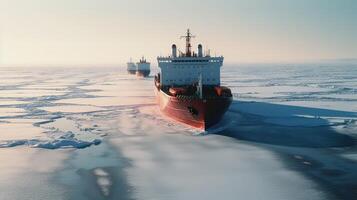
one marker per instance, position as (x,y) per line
(189,67)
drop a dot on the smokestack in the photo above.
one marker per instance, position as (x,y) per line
(174,54)
(200,54)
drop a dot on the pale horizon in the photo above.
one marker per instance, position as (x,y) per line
(90,33)
(276,118)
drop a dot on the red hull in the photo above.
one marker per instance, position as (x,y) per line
(143,73)
(199,113)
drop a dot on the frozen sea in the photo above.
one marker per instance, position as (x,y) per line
(96,133)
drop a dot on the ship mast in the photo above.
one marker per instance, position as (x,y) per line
(188,37)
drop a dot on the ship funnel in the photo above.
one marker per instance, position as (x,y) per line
(200,54)
(174,51)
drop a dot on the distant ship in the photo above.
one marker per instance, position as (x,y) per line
(188,87)
(142,68)
(131,67)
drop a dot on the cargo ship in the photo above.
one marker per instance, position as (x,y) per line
(131,67)
(142,68)
(188,88)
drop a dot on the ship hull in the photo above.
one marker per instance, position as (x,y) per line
(131,71)
(198,113)
(142,73)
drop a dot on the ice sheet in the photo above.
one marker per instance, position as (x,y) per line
(71,108)
(10,112)
(290,129)
(26,173)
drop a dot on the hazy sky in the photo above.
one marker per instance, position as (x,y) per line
(90,32)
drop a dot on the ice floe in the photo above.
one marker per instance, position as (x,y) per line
(51,144)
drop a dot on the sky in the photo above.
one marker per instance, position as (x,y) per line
(110,32)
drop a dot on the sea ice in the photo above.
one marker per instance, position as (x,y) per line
(261,150)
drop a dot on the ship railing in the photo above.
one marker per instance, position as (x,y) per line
(196,97)
(210,59)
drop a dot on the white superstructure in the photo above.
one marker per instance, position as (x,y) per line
(131,66)
(142,65)
(190,67)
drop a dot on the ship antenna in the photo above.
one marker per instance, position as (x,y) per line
(188,37)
